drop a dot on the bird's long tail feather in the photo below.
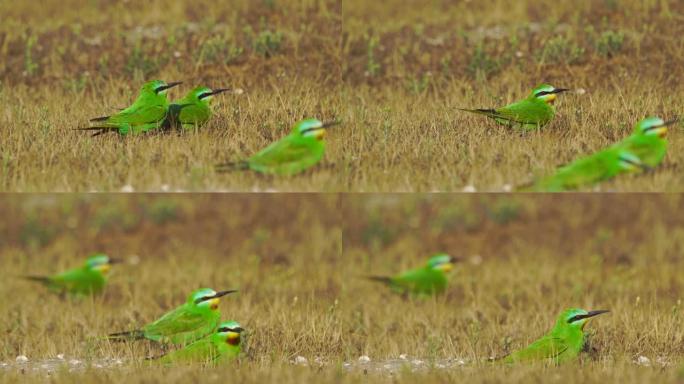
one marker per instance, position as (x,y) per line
(381,279)
(232,166)
(40,279)
(481,111)
(136,334)
(100,130)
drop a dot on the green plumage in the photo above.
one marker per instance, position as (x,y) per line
(224,344)
(427,280)
(147,112)
(198,317)
(300,150)
(644,149)
(89,279)
(193,110)
(563,343)
(531,113)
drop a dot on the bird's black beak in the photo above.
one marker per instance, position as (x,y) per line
(561,90)
(221,293)
(329,124)
(219,90)
(673,121)
(589,314)
(167,86)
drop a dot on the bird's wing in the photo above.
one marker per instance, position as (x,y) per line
(281,152)
(202,350)
(179,320)
(548,347)
(522,112)
(140,115)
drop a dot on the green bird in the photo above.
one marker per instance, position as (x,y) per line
(592,169)
(300,150)
(192,110)
(89,279)
(223,345)
(648,141)
(563,343)
(198,317)
(147,112)
(531,113)
(643,150)
(428,280)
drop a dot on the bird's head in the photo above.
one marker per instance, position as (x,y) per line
(441,262)
(230,331)
(653,126)
(158,87)
(205,94)
(547,93)
(575,317)
(313,128)
(207,298)
(100,262)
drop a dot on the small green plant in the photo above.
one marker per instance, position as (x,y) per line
(30,66)
(162,211)
(504,211)
(481,64)
(561,49)
(219,50)
(372,66)
(139,65)
(610,43)
(267,43)
(418,85)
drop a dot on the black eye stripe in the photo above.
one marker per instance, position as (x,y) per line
(543,93)
(204,94)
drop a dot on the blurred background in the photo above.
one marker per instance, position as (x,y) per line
(524,259)
(300,262)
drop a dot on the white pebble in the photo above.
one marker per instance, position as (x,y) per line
(127,188)
(469,189)
(403,356)
(165,187)
(176,54)
(364,359)
(238,91)
(21,359)
(74,362)
(60,356)
(301,360)
(507,188)
(643,360)
(580,91)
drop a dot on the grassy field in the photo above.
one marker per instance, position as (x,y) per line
(299,262)
(408,66)
(66,62)
(395,72)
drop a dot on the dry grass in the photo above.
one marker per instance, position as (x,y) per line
(67,67)
(406,75)
(298,261)
(395,72)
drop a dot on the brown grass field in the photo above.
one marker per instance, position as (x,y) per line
(394,71)
(67,61)
(408,66)
(299,262)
